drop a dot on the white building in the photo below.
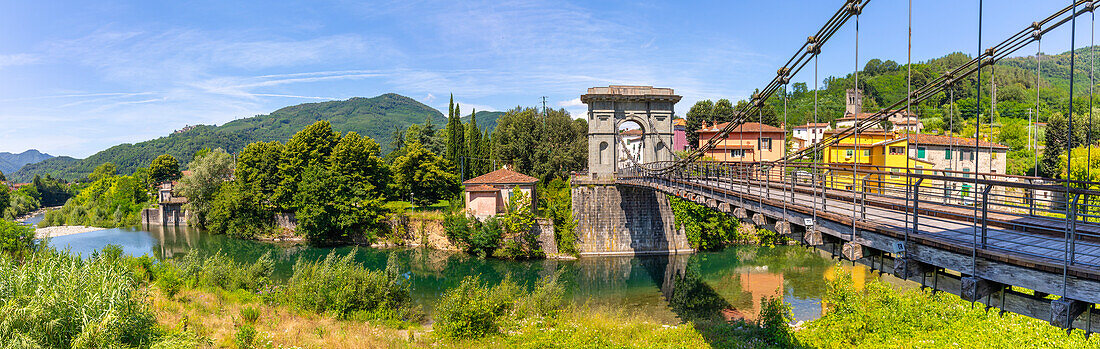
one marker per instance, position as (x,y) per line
(811,132)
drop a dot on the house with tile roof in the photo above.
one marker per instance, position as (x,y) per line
(487,195)
(750,142)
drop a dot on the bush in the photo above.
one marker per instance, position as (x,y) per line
(473,236)
(16,240)
(249,315)
(246,336)
(474,310)
(218,270)
(57,300)
(168,280)
(340,286)
(775,318)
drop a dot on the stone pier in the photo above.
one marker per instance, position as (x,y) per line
(625,220)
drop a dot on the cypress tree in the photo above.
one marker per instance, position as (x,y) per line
(455,140)
(474,164)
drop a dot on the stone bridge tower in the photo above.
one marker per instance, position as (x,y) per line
(615,219)
(609,107)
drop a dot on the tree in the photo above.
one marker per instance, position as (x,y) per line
(723,112)
(543,145)
(164,168)
(474,163)
(422,176)
(208,174)
(456,140)
(310,145)
(104,170)
(356,159)
(332,206)
(3,179)
(698,113)
(5,199)
(258,171)
(235,211)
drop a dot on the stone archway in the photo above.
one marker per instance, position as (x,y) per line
(609,107)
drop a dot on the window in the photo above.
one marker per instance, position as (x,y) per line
(947,154)
(896,151)
(848,153)
(919,171)
(893,172)
(766,143)
(971,155)
(737,153)
(966,173)
(867,153)
(920,152)
(994,155)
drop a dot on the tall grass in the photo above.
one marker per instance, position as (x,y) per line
(57,300)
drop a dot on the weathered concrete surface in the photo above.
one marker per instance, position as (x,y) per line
(625,220)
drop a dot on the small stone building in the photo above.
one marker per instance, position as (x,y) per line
(488,194)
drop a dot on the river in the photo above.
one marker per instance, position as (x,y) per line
(734,279)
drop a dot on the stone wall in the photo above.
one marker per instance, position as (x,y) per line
(613,219)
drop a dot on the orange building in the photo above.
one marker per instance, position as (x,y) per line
(750,141)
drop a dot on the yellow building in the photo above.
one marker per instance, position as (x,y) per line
(875,161)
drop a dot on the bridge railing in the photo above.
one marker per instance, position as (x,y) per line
(1042,218)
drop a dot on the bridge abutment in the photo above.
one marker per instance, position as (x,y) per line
(625,220)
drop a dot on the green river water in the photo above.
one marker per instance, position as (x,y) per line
(733,280)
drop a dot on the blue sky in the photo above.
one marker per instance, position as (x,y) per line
(79,76)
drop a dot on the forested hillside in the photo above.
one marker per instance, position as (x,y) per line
(376,117)
(9,163)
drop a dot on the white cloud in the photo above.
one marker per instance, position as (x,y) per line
(16,59)
(575,102)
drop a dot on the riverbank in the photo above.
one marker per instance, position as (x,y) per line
(63,230)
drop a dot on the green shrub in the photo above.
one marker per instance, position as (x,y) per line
(249,315)
(218,270)
(57,300)
(473,236)
(775,318)
(168,280)
(474,310)
(15,239)
(246,336)
(340,286)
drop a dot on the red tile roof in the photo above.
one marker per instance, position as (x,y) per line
(502,176)
(746,127)
(634,132)
(809,125)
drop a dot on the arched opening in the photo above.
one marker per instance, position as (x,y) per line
(603,156)
(631,143)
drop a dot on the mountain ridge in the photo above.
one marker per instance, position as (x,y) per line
(375,117)
(12,162)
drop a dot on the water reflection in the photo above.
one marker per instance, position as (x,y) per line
(726,284)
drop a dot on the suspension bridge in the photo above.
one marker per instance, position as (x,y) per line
(1021,244)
